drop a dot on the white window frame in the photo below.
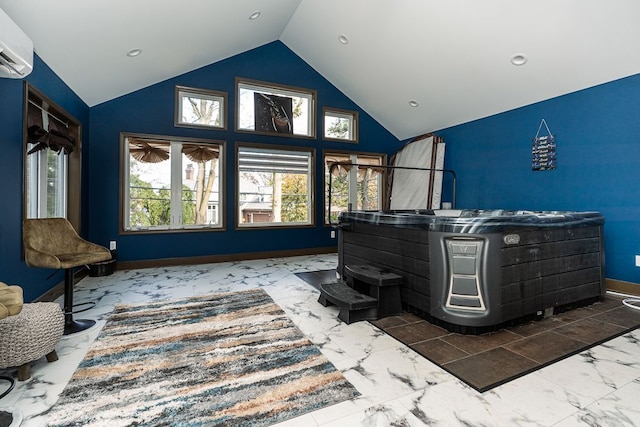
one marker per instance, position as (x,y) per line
(176,168)
(242,165)
(245,121)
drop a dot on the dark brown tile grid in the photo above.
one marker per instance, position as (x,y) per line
(485,361)
(406,318)
(575,314)
(610,302)
(485,370)
(413,333)
(439,351)
(473,344)
(545,347)
(622,316)
(590,331)
(388,322)
(535,327)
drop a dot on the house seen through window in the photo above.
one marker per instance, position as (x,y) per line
(274,186)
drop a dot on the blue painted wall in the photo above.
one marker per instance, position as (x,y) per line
(598,163)
(151,110)
(34,281)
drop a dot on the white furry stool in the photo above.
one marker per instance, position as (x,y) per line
(29,335)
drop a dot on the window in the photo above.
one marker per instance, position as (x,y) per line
(274,186)
(273,109)
(52,160)
(46,181)
(340,124)
(356,187)
(171,184)
(200,108)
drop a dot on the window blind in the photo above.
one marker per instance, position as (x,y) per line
(251,159)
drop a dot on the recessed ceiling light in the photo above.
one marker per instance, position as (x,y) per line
(343,39)
(413,103)
(255,15)
(134,52)
(519,59)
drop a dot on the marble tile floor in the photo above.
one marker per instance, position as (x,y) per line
(598,387)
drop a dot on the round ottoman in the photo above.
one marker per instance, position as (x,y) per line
(29,335)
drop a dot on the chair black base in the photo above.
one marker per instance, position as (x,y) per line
(78,325)
(71,325)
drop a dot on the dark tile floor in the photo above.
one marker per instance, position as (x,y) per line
(488,360)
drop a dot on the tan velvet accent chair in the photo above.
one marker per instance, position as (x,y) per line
(54,243)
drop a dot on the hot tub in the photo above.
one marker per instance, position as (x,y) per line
(475,270)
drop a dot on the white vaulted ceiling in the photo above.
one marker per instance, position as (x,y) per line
(451,57)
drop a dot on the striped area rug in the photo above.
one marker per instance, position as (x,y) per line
(232,359)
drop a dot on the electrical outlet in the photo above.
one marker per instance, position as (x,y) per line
(112,245)
(637,260)
(333,234)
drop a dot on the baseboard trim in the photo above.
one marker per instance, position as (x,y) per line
(58,290)
(628,288)
(214,259)
(52,294)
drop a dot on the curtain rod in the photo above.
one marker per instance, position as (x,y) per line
(64,122)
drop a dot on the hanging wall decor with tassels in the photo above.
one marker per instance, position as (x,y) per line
(543,150)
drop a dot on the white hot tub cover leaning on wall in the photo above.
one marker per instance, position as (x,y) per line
(408,186)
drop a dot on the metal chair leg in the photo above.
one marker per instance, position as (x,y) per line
(71,325)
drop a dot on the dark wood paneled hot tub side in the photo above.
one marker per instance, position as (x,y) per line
(551,268)
(475,270)
(400,250)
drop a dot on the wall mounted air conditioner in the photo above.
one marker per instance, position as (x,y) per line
(16,49)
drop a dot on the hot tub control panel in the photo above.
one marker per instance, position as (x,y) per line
(465,270)
(464,279)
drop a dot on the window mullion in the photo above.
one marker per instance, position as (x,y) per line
(62,186)
(43,157)
(353,183)
(176,185)
(42,184)
(310,189)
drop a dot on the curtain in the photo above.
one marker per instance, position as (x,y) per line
(200,153)
(343,168)
(148,151)
(57,138)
